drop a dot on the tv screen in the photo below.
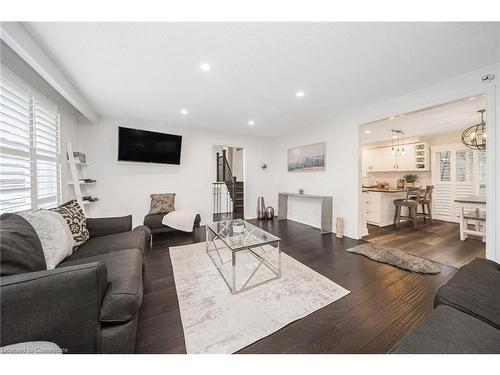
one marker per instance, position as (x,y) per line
(148,147)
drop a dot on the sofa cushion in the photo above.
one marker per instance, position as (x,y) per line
(474,290)
(75,218)
(123,297)
(450,331)
(109,225)
(20,247)
(55,236)
(162,203)
(135,239)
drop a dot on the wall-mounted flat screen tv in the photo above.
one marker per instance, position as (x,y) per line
(148,147)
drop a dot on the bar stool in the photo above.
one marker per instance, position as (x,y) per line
(411,202)
(426,201)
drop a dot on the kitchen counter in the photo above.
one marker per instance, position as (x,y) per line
(378,190)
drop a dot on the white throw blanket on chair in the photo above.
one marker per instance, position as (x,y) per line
(181,219)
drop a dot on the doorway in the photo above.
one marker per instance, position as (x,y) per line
(228,186)
(424,149)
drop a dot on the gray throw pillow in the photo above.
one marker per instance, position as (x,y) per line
(162,203)
(20,248)
(54,233)
(75,218)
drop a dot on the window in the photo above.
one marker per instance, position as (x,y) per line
(465,165)
(444,165)
(29,147)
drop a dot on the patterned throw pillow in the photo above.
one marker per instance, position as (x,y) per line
(162,203)
(75,217)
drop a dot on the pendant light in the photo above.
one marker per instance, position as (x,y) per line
(474,137)
(397,142)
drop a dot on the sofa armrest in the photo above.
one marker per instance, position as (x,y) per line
(109,225)
(60,306)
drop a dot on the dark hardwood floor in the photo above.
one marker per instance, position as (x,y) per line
(439,242)
(384,304)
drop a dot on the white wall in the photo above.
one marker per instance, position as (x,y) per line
(68,114)
(124,188)
(342,177)
(238,166)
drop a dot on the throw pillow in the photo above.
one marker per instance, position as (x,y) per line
(162,203)
(75,218)
(55,235)
(20,248)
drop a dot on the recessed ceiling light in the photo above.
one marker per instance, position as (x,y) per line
(472,98)
(392,117)
(184,111)
(300,94)
(205,67)
(251,123)
(368,131)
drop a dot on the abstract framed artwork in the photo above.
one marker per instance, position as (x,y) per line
(310,158)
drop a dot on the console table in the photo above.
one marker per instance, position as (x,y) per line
(326,203)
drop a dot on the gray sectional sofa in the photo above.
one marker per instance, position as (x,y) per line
(466,318)
(90,302)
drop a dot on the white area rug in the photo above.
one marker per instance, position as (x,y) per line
(215,321)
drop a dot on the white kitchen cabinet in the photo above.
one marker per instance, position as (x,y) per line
(379,206)
(381,159)
(378,160)
(406,161)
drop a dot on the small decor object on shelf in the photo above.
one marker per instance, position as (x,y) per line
(261,207)
(339,232)
(80,156)
(401,183)
(269,213)
(238,226)
(474,137)
(411,179)
(301,191)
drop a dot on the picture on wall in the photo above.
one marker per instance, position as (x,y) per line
(310,158)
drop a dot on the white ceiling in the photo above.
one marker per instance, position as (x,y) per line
(446,118)
(151,70)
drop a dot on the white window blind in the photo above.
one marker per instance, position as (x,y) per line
(29,147)
(444,165)
(465,165)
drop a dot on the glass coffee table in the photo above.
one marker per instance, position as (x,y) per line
(245,255)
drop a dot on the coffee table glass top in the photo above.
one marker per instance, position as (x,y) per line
(235,240)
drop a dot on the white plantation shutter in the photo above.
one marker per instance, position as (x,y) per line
(457,172)
(15,145)
(29,147)
(46,150)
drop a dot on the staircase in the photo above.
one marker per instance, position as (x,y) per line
(233,190)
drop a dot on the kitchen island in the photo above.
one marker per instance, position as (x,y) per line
(378,204)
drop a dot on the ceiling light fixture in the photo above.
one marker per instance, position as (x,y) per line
(300,94)
(474,137)
(392,118)
(368,131)
(205,67)
(472,98)
(184,111)
(251,123)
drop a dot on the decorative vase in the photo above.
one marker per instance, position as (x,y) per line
(340,228)
(261,207)
(269,214)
